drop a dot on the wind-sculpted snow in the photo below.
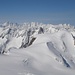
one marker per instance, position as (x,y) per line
(48,54)
(37,49)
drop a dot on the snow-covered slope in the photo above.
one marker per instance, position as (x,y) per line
(37,49)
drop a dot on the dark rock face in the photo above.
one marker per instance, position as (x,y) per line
(28,40)
(33,39)
(40,30)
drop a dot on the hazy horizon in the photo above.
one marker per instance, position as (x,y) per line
(45,11)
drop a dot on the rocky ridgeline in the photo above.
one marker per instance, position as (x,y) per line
(23,35)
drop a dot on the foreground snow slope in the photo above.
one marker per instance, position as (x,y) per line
(49,54)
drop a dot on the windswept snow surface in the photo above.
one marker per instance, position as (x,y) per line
(51,53)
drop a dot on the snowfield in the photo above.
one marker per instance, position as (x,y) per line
(37,49)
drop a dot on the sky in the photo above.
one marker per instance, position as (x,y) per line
(45,11)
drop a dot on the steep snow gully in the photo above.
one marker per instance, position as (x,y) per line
(37,49)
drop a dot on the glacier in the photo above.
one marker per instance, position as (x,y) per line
(37,49)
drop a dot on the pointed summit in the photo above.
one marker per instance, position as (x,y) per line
(6,23)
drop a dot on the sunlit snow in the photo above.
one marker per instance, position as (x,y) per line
(37,49)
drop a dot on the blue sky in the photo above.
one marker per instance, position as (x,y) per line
(46,11)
